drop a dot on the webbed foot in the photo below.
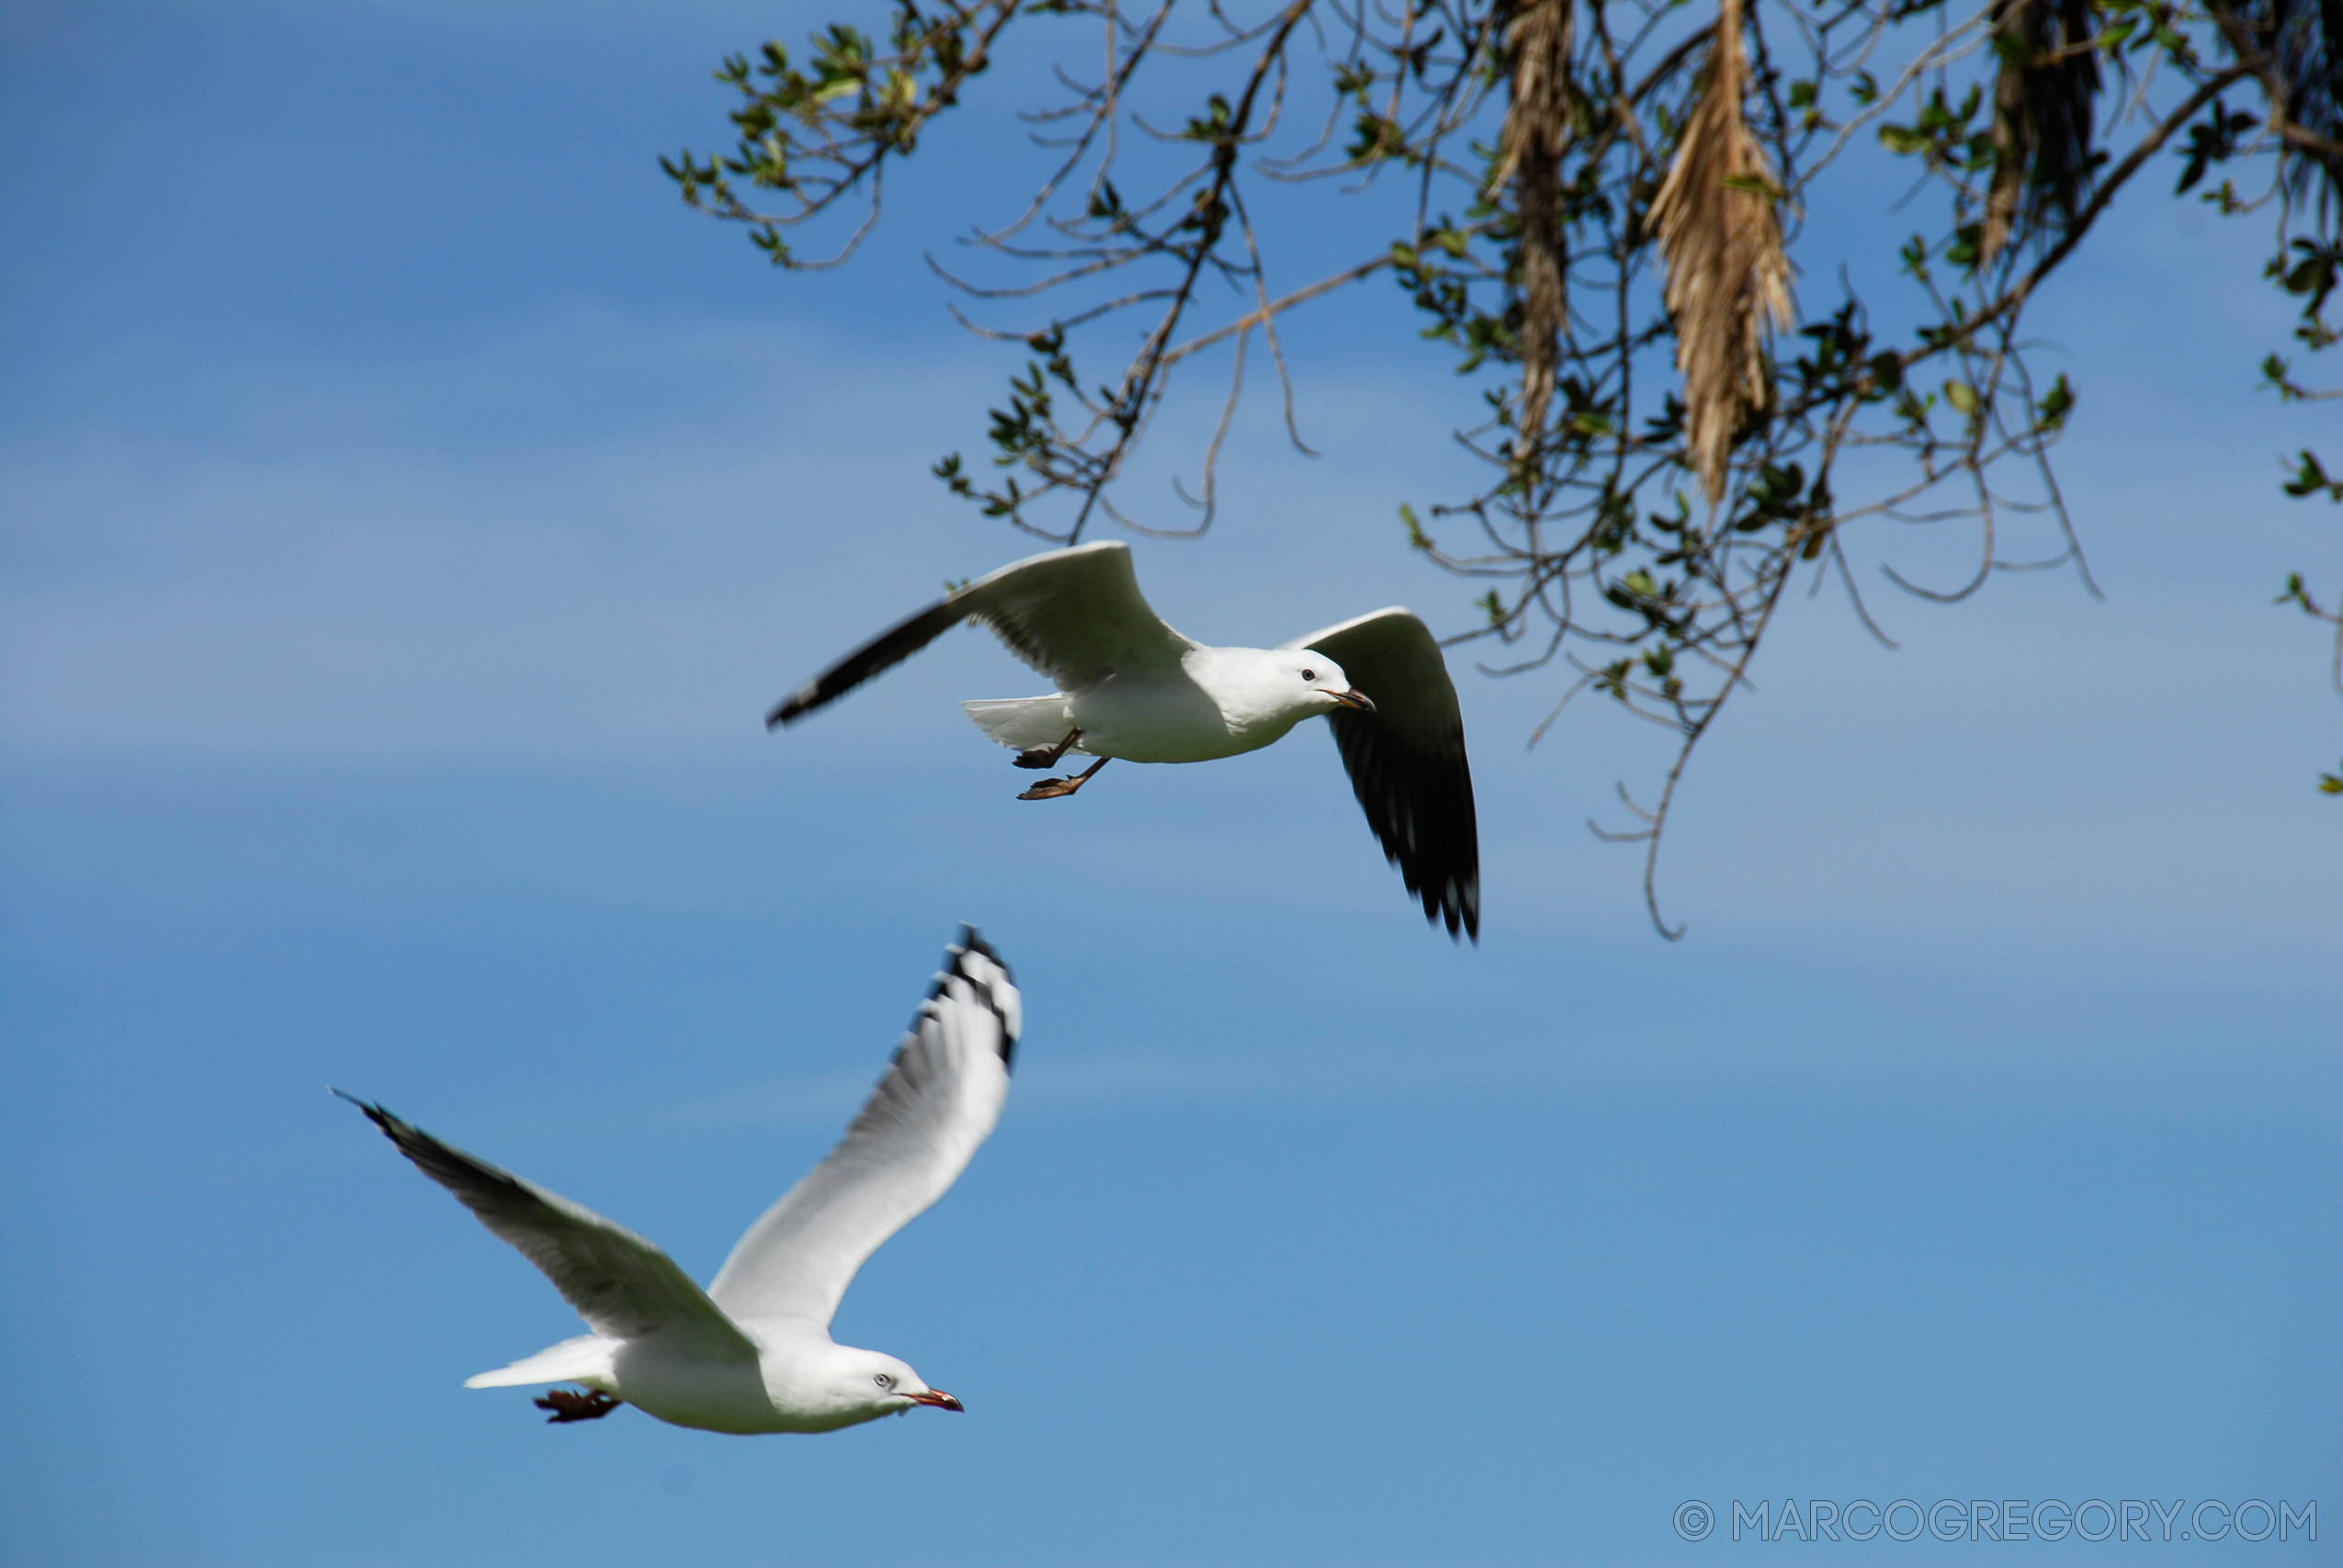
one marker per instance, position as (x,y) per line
(1047,756)
(571,1404)
(1051,789)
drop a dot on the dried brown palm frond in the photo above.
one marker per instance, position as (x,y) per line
(1537,129)
(2044,100)
(2309,49)
(1720,234)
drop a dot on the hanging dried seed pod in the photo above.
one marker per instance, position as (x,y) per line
(2043,103)
(1721,237)
(1537,128)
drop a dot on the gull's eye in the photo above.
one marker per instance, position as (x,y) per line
(1309,674)
(884,1381)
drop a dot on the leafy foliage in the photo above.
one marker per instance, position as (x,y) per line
(1624,539)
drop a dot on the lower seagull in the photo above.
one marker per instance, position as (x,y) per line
(753,1352)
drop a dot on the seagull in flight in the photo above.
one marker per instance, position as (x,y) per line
(1130,686)
(753,1352)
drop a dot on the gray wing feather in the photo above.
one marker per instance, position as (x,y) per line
(1076,615)
(1407,760)
(937,1101)
(622,1284)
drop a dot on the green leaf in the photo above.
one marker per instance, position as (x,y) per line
(2057,404)
(1417,538)
(2311,477)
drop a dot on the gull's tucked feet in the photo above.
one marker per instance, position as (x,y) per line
(1138,689)
(753,1352)
(1047,756)
(569,1405)
(1050,789)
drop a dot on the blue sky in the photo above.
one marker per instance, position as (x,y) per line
(409,511)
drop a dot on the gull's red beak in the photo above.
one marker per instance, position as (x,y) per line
(1353,698)
(938,1398)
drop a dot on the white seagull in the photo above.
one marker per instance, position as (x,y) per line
(753,1352)
(1130,686)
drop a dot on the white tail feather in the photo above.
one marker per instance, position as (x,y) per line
(1023,723)
(572,1360)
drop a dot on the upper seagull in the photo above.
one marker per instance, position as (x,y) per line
(753,1352)
(1130,686)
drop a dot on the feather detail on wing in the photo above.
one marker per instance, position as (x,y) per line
(1407,758)
(937,1101)
(621,1284)
(1076,615)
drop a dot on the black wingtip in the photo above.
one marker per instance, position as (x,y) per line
(791,708)
(955,956)
(1459,907)
(383,1119)
(972,941)
(892,647)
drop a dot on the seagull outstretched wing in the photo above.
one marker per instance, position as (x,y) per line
(1407,758)
(621,1284)
(938,1101)
(1076,615)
